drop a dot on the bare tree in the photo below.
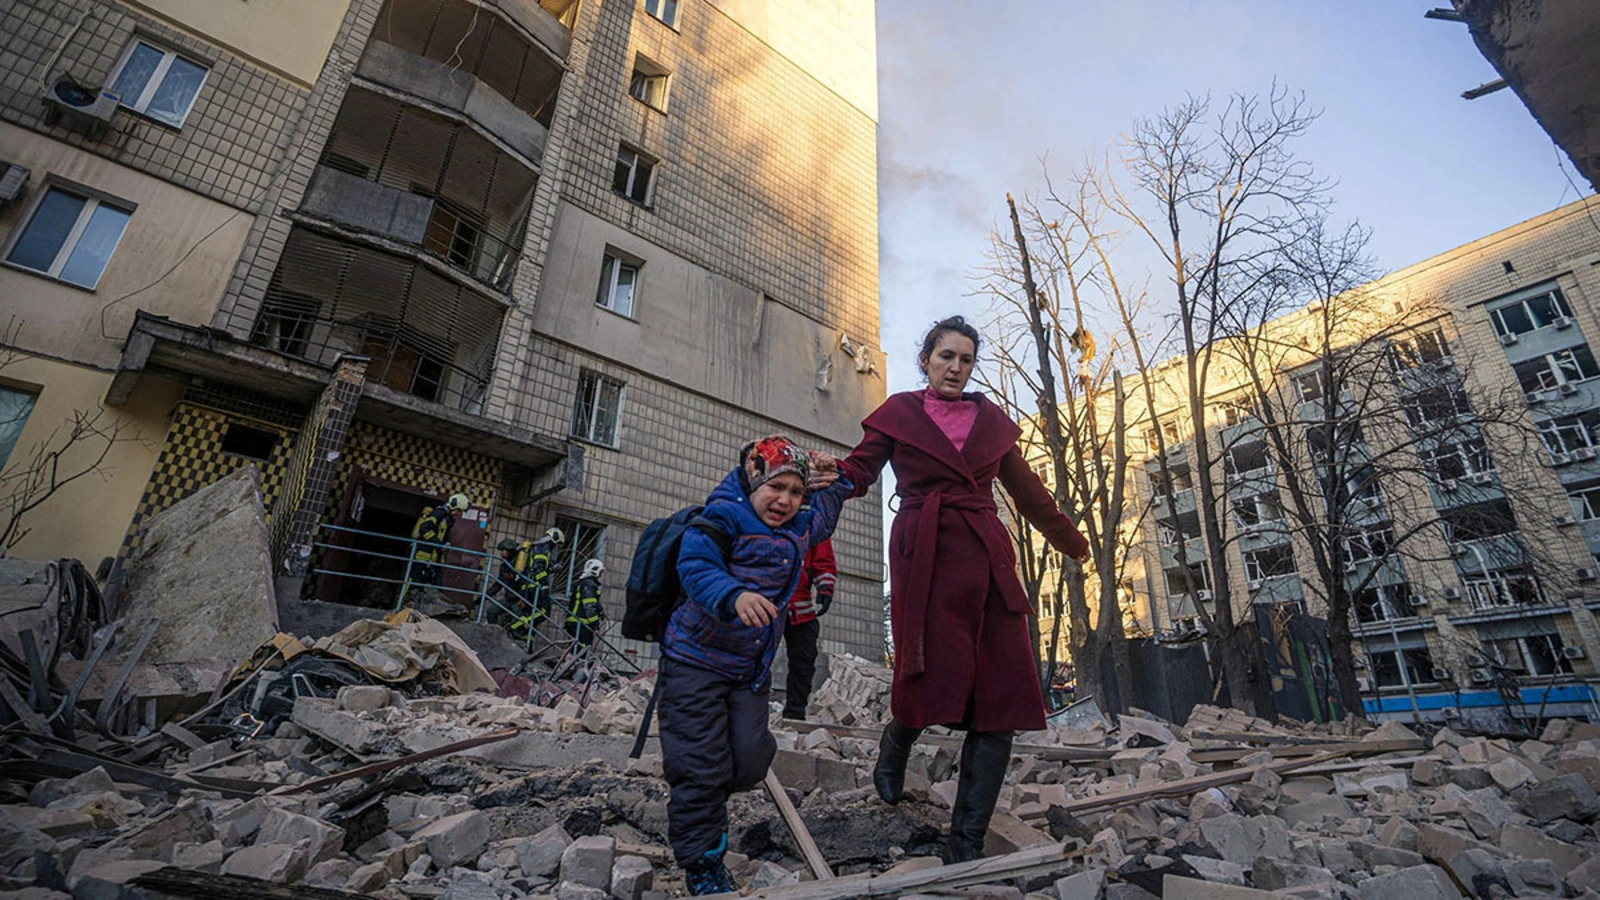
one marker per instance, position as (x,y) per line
(1049,374)
(76,448)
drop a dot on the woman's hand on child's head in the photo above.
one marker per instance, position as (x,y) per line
(754,610)
(824,470)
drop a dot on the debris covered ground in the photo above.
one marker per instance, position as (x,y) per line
(384,760)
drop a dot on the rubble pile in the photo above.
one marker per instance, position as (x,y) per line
(856,693)
(385,761)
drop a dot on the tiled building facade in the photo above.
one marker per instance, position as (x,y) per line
(1498,585)
(563,257)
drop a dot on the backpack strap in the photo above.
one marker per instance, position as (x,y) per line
(722,539)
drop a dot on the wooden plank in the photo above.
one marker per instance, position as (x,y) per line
(1041,860)
(1042,751)
(387,764)
(1183,787)
(1279,751)
(182,735)
(791,817)
(1357,765)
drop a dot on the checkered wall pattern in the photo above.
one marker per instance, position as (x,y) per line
(192,458)
(417,463)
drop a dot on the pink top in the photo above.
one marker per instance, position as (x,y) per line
(954,417)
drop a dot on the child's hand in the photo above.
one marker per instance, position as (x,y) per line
(824,470)
(754,610)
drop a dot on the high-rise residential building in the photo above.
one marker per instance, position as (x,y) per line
(562,256)
(1471,544)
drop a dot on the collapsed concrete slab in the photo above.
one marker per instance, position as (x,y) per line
(203,568)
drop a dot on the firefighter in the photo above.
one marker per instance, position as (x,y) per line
(583,619)
(534,560)
(432,534)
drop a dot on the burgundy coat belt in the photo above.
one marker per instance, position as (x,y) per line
(980,514)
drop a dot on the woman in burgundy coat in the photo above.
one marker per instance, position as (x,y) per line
(962,657)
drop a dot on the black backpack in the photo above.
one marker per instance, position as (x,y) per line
(653,587)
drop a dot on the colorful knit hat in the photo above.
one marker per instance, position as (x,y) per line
(763,460)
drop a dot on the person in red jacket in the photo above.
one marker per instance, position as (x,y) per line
(800,638)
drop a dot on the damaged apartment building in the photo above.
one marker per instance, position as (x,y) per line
(1470,536)
(561,256)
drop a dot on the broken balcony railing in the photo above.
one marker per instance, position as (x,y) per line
(477,587)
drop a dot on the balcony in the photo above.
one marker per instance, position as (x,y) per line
(497,66)
(1195,548)
(1489,554)
(444,190)
(1276,589)
(427,335)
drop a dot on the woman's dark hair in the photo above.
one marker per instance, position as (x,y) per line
(942,327)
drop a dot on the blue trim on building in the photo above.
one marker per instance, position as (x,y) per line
(1531,696)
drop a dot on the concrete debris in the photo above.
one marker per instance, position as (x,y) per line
(202,568)
(353,763)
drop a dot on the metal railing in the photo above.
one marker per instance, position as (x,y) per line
(488,591)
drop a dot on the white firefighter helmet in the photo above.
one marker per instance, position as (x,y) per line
(459,502)
(594,568)
(555,536)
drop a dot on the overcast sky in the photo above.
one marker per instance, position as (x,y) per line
(972,94)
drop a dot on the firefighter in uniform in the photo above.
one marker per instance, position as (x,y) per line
(534,560)
(432,534)
(583,619)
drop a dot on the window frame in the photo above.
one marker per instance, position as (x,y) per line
(596,380)
(654,9)
(650,164)
(141,104)
(25,402)
(1563,310)
(92,201)
(612,264)
(650,73)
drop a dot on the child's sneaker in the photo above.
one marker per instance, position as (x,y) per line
(709,875)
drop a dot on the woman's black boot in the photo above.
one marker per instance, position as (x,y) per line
(985,756)
(889,775)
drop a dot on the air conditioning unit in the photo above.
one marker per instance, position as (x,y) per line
(1573,652)
(13,180)
(1418,600)
(1567,389)
(1253,584)
(1480,676)
(1480,478)
(1534,398)
(1452,593)
(1585,574)
(1462,550)
(1563,521)
(1448,486)
(1582,454)
(1508,339)
(1560,459)
(1363,683)
(1440,673)
(1450,712)
(1562,323)
(82,108)
(1159,500)
(1203,596)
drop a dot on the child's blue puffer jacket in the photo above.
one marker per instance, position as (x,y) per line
(705,631)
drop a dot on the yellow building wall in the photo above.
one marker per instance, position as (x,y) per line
(174,258)
(87,518)
(290,37)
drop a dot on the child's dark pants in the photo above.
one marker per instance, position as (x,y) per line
(714,741)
